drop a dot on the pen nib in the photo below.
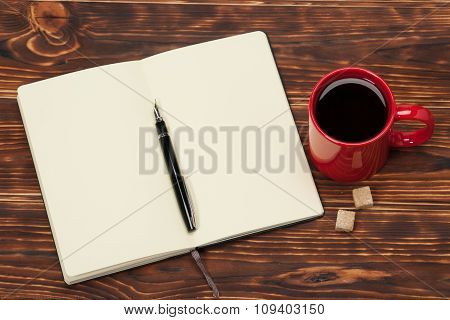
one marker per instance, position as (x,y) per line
(156,111)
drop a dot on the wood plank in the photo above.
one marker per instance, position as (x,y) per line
(283,3)
(409,224)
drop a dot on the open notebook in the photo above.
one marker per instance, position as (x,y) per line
(106,214)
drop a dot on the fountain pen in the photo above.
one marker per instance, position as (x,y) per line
(178,183)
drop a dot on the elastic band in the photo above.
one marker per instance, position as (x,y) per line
(209,280)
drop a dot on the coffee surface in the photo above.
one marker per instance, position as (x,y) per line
(351,112)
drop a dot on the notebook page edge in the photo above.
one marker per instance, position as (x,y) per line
(263,230)
(124,266)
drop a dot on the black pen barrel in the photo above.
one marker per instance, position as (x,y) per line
(178,183)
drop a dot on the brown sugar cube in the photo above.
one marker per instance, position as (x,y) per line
(362,198)
(345,220)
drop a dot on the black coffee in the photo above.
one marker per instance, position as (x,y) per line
(351,112)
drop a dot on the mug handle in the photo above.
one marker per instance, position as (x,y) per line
(413,138)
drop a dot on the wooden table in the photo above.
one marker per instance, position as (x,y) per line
(400,248)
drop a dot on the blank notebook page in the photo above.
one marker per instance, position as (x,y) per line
(233,84)
(83,130)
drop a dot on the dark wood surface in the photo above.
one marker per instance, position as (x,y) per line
(400,248)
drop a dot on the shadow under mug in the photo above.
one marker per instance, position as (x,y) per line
(347,162)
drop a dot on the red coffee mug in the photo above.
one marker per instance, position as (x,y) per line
(346,162)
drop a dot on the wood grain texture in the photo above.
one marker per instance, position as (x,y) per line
(404,246)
